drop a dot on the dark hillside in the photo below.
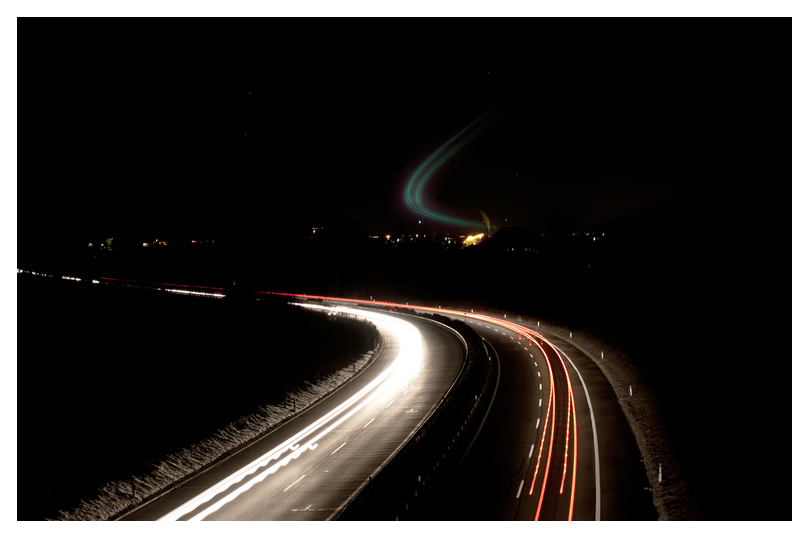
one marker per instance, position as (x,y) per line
(111,379)
(685,288)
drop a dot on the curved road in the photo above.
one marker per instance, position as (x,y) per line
(309,467)
(509,459)
(555,444)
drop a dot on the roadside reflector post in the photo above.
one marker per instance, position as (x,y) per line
(660,473)
(571,334)
(630,390)
(602,354)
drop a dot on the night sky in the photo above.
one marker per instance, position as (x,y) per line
(205,127)
(258,128)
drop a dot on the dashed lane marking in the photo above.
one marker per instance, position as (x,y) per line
(295,482)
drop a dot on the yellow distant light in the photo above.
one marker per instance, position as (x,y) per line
(473,239)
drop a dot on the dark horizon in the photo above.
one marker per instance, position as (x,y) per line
(668,135)
(160,125)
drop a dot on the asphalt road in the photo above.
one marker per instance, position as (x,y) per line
(526,451)
(309,467)
(555,444)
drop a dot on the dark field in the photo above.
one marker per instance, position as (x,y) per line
(111,379)
(689,294)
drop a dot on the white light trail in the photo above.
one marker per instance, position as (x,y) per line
(200,293)
(408,361)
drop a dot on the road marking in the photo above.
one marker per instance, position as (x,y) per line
(535,362)
(390,402)
(536,427)
(338,448)
(595,437)
(540,386)
(540,402)
(520,490)
(295,482)
(530,452)
(366,424)
(525,348)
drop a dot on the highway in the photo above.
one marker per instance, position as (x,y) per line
(555,444)
(535,457)
(312,465)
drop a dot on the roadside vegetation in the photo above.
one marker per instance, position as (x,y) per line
(125,391)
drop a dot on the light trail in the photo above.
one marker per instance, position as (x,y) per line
(595,436)
(575,438)
(409,359)
(418,181)
(538,339)
(567,443)
(575,458)
(163,284)
(198,293)
(571,404)
(551,402)
(293,445)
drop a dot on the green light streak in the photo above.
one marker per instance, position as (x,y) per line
(419,179)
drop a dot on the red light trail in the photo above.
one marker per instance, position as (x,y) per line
(534,338)
(537,338)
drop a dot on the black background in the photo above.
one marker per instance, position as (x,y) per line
(670,135)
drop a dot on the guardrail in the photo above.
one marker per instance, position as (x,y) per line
(410,483)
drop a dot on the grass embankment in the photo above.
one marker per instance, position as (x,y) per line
(119,385)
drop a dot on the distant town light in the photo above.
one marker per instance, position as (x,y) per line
(473,239)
